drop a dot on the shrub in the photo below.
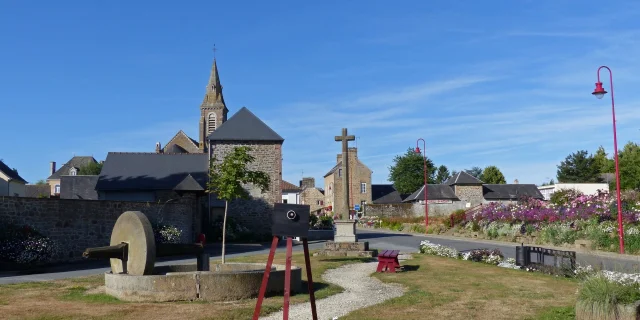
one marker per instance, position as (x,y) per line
(24,245)
(427,247)
(325,222)
(564,197)
(484,255)
(457,217)
(606,293)
(167,234)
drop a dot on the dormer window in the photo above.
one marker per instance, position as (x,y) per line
(73,171)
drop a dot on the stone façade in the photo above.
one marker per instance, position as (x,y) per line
(359,173)
(313,197)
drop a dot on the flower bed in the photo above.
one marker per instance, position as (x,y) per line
(24,246)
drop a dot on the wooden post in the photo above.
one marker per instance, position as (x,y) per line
(265,278)
(312,296)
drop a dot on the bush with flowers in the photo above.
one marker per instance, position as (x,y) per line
(569,216)
(24,246)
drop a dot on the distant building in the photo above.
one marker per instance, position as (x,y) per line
(386,194)
(11,184)
(312,196)
(359,184)
(71,168)
(585,188)
(290,192)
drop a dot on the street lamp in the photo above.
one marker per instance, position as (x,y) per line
(599,92)
(424,157)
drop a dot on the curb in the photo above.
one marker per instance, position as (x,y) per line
(588,252)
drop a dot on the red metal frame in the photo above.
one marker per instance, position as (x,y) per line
(287,278)
(426,203)
(600,90)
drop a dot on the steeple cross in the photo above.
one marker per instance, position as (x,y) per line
(214,50)
(345,139)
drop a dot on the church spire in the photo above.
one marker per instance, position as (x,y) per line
(213,94)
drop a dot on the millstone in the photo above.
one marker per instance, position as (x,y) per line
(133,228)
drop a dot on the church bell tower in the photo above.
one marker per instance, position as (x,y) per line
(213,110)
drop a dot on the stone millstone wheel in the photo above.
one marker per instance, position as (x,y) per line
(133,228)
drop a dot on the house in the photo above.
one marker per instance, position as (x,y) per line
(463,191)
(290,192)
(312,196)
(359,184)
(584,188)
(386,194)
(11,184)
(130,176)
(71,168)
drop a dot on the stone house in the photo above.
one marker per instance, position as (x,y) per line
(359,184)
(11,184)
(71,168)
(312,196)
(464,191)
(290,192)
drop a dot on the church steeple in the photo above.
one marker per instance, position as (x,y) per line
(213,94)
(213,111)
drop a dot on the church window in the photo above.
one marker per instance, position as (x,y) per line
(211,122)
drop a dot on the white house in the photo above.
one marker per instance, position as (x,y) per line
(290,192)
(11,184)
(585,188)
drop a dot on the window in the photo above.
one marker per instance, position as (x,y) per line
(363,187)
(320,202)
(57,188)
(73,171)
(339,172)
(284,200)
(211,122)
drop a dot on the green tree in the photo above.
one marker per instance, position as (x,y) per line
(442,174)
(41,182)
(578,167)
(475,171)
(602,162)
(407,173)
(629,159)
(91,169)
(492,175)
(228,177)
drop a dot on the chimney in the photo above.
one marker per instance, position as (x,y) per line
(308,183)
(339,157)
(157,147)
(515,181)
(353,152)
(52,168)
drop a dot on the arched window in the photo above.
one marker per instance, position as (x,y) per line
(211,122)
(73,171)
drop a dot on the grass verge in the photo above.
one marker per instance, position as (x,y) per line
(444,288)
(82,298)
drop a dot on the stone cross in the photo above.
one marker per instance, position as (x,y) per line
(344,138)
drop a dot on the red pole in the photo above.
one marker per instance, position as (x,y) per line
(426,204)
(615,150)
(265,278)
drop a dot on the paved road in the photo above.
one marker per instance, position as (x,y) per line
(377,239)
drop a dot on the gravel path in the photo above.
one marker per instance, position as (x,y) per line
(360,291)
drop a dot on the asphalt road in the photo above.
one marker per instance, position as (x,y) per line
(377,239)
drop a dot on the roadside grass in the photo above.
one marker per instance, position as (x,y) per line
(444,288)
(84,297)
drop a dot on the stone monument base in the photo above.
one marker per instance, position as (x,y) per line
(345,231)
(347,249)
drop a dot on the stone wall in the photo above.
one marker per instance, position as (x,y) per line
(414,209)
(75,225)
(472,194)
(256,214)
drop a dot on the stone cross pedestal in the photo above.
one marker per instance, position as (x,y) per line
(345,231)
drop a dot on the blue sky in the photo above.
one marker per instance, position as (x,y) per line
(506,84)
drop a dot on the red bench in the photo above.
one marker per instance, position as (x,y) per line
(388,261)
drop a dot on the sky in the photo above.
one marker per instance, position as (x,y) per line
(507,84)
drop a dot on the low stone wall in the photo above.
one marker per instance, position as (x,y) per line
(407,210)
(75,225)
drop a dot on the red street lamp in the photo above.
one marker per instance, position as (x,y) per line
(424,157)
(599,92)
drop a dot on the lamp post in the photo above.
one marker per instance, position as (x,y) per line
(599,92)
(424,157)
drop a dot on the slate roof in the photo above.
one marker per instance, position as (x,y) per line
(434,192)
(339,165)
(36,190)
(75,162)
(244,126)
(13,175)
(289,187)
(78,187)
(385,194)
(462,177)
(510,191)
(174,148)
(154,171)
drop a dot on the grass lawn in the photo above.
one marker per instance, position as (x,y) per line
(80,298)
(445,288)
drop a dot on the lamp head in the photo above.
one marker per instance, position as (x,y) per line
(418,150)
(599,92)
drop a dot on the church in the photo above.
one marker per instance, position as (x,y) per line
(181,166)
